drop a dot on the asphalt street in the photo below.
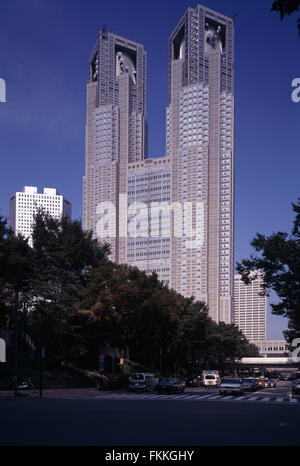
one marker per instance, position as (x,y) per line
(106,422)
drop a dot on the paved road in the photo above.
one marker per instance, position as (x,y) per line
(281,394)
(106,422)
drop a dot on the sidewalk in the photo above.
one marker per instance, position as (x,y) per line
(53,393)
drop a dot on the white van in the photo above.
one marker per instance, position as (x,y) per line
(211,380)
(144,381)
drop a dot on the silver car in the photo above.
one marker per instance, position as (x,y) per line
(267,383)
(232,386)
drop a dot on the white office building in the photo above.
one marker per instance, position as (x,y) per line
(25,204)
(250,308)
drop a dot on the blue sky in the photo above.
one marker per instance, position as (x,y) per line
(44,51)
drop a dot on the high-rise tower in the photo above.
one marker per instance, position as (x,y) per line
(116,134)
(172,214)
(200,127)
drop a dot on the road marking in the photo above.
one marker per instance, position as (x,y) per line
(192,397)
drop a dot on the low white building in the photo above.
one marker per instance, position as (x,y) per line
(272,347)
(25,204)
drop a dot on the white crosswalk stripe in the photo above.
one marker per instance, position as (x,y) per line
(197,397)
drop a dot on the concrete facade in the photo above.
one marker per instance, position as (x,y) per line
(173,214)
(24,205)
(250,308)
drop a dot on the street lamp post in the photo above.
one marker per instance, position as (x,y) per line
(16,339)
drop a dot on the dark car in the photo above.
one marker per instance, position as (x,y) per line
(249,385)
(296,387)
(193,381)
(171,385)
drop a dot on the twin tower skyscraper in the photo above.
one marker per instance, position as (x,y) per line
(175,214)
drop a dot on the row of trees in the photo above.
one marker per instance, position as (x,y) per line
(73,300)
(278,257)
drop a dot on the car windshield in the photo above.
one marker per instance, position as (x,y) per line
(137,377)
(168,380)
(171,380)
(210,377)
(247,381)
(231,381)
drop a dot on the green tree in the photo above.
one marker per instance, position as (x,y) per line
(64,258)
(16,271)
(278,258)
(286,8)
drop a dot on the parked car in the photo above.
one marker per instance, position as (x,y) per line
(170,385)
(234,386)
(249,385)
(211,380)
(142,381)
(296,387)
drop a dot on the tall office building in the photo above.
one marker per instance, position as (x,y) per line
(116,134)
(171,214)
(250,308)
(23,205)
(200,125)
